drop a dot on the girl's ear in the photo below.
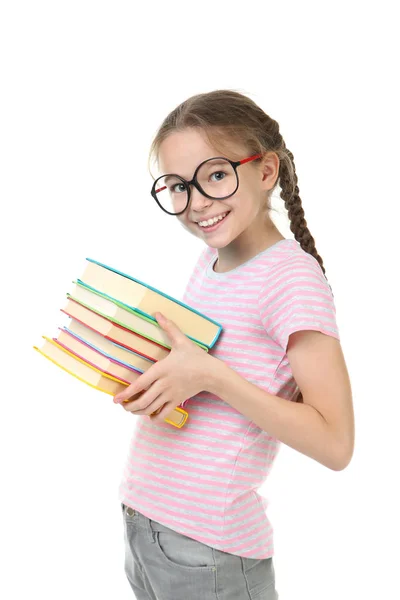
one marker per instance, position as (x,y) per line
(269,169)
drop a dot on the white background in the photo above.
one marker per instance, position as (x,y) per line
(84,86)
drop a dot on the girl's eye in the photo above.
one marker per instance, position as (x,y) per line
(218,173)
(177,185)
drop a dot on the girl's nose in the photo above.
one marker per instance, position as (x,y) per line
(198,201)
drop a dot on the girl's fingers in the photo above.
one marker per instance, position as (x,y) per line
(145,404)
(135,389)
(153,409)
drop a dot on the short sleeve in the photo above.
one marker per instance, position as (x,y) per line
(296,296)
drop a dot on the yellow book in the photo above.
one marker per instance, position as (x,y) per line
(96,378)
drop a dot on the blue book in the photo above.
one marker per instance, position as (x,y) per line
(144,300)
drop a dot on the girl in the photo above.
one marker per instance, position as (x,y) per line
(195,526)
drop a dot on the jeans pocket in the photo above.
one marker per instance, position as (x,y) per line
(181,551)
(260,575)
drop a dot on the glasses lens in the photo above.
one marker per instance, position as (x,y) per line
(217,178)
(171,193)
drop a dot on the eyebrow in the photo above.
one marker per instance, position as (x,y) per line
(218,162)
(169,177)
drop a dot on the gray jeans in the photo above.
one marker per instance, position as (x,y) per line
(161,564)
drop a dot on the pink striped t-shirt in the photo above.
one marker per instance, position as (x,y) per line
(202,480)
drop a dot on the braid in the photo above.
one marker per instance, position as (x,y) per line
(290,196)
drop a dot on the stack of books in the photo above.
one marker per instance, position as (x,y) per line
(113,337)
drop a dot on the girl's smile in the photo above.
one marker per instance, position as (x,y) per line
(212,223)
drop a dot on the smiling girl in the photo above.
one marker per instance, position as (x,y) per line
(195,525)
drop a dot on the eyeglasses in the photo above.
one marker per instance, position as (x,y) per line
(215,178)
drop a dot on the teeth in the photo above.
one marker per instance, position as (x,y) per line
(212,221)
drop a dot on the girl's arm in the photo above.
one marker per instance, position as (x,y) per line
(321,427)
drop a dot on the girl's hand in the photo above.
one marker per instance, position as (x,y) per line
(177,377)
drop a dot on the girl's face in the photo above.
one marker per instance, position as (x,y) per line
(181,152)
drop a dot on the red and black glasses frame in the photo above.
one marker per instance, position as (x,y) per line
(187,184)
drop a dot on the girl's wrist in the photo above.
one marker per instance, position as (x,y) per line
(217,376)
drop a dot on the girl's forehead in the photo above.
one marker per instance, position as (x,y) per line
(182,151)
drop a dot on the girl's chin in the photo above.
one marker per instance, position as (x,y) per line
(215,243)
(218,239)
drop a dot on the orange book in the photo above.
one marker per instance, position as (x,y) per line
(114,332)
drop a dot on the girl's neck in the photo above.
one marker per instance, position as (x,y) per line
(237,253)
